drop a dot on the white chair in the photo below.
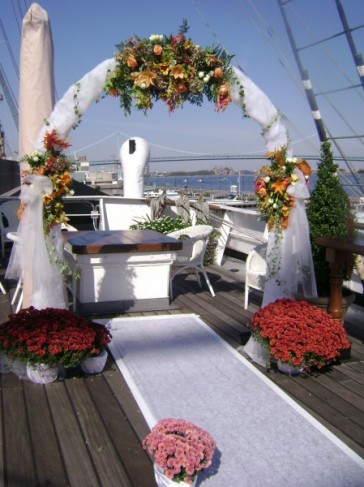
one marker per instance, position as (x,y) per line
(195,240)
(255,270)
(2,289)
(8,221)
(17,299)
(70,279)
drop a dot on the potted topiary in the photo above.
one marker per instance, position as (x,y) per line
(329,215)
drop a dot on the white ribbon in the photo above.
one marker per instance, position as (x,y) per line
(30,258)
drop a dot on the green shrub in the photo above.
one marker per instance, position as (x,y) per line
(328,213)
(164,224)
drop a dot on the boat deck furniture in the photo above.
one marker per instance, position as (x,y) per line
(122,270)
(339,252)
(255,271)
(195,239)
(9,221)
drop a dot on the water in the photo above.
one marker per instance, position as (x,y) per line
(234,183)
(211,182)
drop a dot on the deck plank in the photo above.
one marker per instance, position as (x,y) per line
(82,418)
(105,458)
(18,456)
(124,438)
(47,457)
(75,452)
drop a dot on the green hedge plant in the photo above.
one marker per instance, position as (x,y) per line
(328,213)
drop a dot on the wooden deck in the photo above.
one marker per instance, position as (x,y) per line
(86,431)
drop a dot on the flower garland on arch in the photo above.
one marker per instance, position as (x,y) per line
(271,185)
(54,164)
(170,68)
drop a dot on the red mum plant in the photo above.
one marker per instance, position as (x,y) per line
(180,449)
(51,336)
(298,333)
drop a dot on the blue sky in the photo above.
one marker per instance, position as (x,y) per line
(85,33)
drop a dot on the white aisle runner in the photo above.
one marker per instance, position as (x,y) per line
(176,366)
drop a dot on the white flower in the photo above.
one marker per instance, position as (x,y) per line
(156,37)
(270,201)
(35,158)
(283,168)
(275,206)
(292,159)
(266,179)
(71,192)
(143,86)
(206,79)
(201,74)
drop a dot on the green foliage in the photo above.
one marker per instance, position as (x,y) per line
(328,214)
(165,224)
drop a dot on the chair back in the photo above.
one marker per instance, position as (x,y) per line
(195,240)
(9,221)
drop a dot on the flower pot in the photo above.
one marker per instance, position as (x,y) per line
(290,369)
(42,373)
(163,481)
(94,365)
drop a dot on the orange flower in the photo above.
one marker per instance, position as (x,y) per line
(279,156)
(223,90)
(304,167)
(157,49)
(66,178)
(52,140)
(144,79)
(213,60)
(218,72)
(131,62)
(113,92)
(177,72)
(280,185)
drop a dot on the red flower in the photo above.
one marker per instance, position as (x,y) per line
(299,333)
(56,336)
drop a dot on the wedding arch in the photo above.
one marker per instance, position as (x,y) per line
(171,69)
(145,65)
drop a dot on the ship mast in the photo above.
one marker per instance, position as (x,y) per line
(324,133)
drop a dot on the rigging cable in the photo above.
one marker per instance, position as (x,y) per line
(284,117)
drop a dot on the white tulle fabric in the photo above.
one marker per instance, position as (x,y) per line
(295,275)
(33,256)
(260,109)
(81,95)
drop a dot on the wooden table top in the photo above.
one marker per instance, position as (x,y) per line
(119,241)
(352,246)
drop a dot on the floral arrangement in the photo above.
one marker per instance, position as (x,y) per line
(170,68)
(298,333)
(51,336)
(54,164)
(180,448)
(271,184)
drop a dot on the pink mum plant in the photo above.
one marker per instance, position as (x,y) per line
(180,449)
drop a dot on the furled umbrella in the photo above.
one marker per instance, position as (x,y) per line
(42,283)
